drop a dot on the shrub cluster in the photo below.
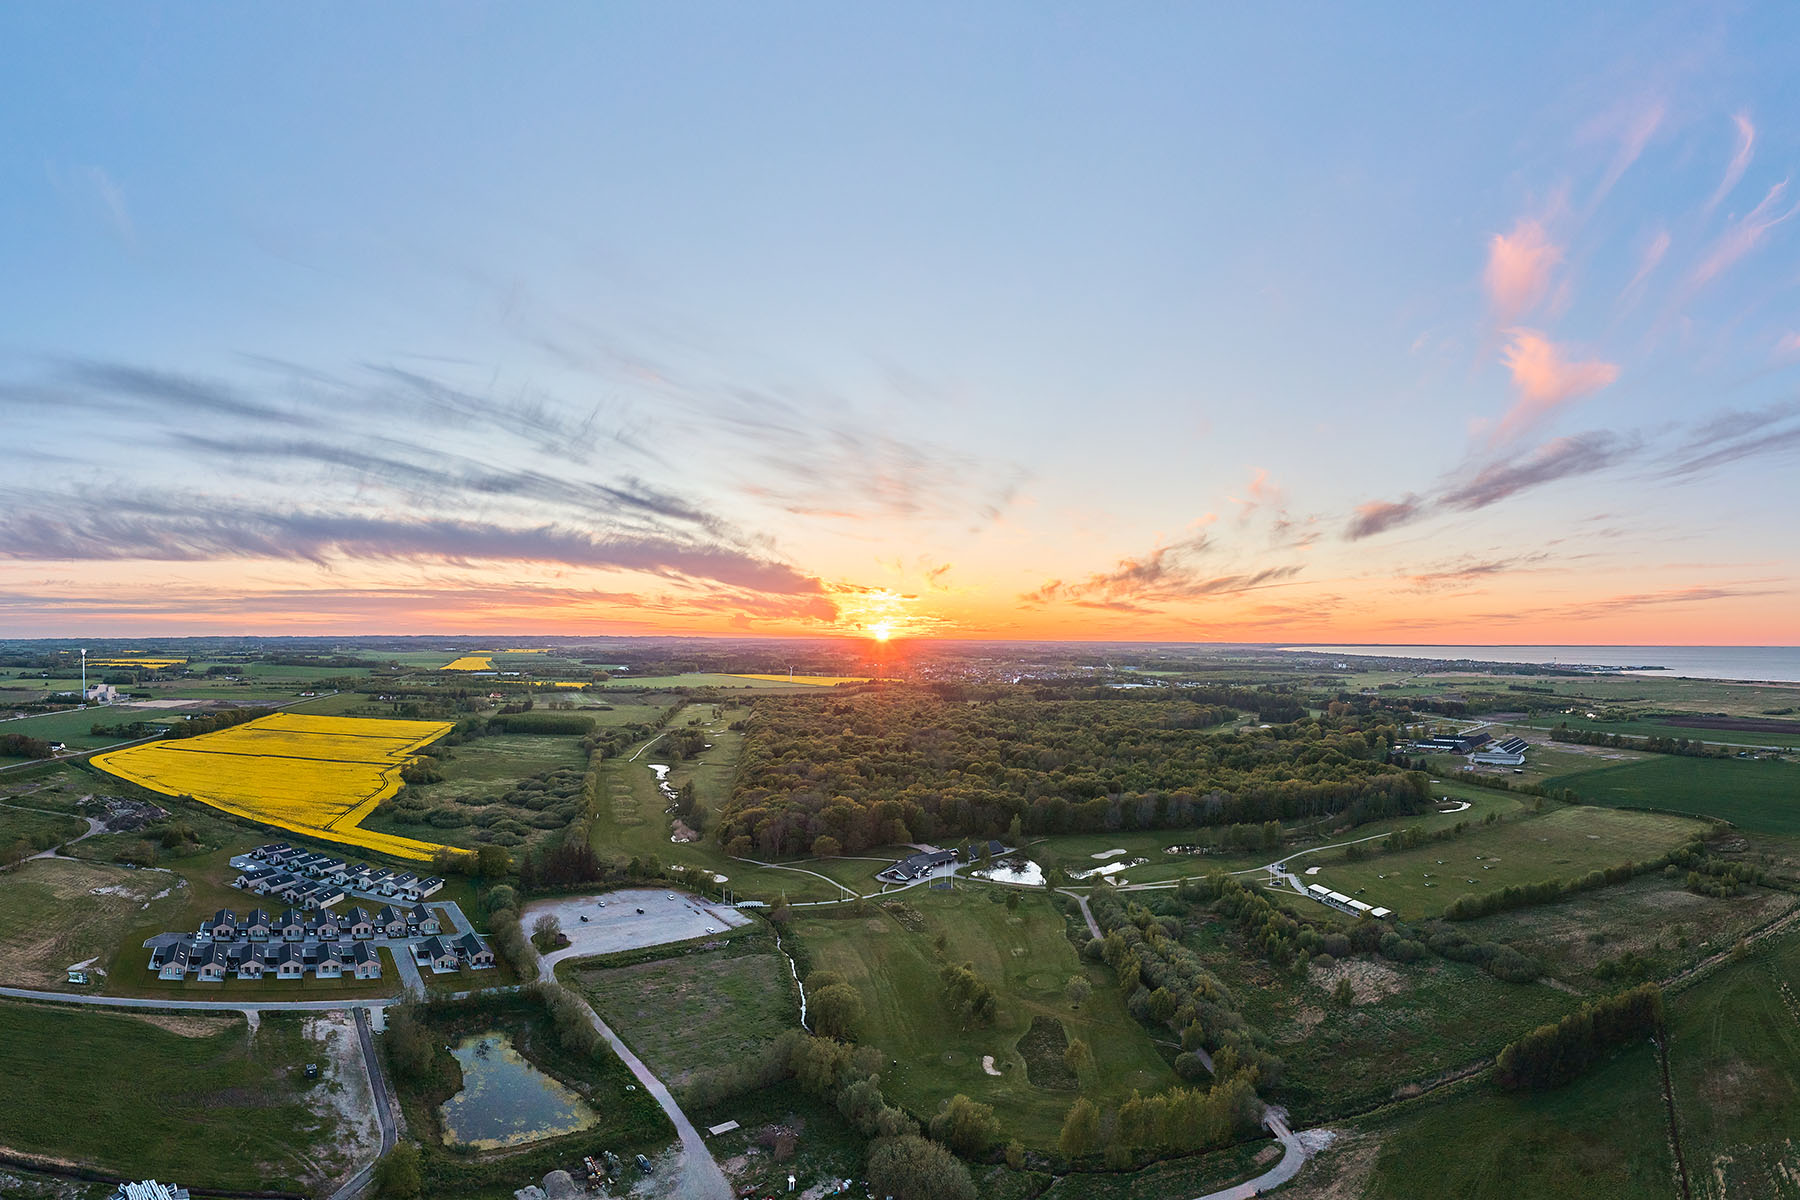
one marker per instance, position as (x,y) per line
(1552,1055)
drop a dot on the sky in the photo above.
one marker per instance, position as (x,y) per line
(1333,323)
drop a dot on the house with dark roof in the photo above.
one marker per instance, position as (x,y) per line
(473,950)
(365,961)
(391,921)
(436,953)
(420,919)
(290,926)
(255,925)
(357,923)
(223,926)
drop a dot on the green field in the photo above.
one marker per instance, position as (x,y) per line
(697,1012)
(1756,795)
(701,680)
(1650,727)
(888,957)
(1561,844)
(1734,1062)
(198,1099)
(1603,1137)
(72,727)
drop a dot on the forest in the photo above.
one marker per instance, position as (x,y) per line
(905,764)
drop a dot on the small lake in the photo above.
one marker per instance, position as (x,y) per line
(505,1101)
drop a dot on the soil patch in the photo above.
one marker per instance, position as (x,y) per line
(1369,980)
(183,1025)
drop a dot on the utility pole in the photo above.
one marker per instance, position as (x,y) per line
(84,674)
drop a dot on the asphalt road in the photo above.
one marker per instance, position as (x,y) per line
(384,1114)
(198,1005)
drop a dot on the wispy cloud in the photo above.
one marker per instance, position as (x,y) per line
(1545,380)
(1519,267)
(1559,458)
(1468,570)
(1733,436)
(1379,516)
(156,530)
(1166,574)
(1740,159)
(1744,235)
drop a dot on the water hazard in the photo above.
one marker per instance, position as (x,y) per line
(505,1101)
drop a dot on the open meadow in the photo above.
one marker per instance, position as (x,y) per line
(698,1010)
(1761,796)
(201,1099)
(1564,843)
(888,955)
(312,775)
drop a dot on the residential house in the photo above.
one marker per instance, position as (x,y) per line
(291,926)
(255,925)
(473,950)
(366,960)
(223,926)
(357,921)
(420,919)
(436,953)
(390,922)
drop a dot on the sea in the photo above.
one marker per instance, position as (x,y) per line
(1770,664)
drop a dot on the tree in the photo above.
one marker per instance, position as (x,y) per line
(827,846)
(836,1011)
(911,1168)
(1078,1058)
(1078,989)
(1081,1130)
(499,897)
(1344,993)
(966,1126)
(397,1172)
(546,932)
(492,861)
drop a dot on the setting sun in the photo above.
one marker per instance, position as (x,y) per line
(881,631)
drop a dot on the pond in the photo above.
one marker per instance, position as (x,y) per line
(505,1101)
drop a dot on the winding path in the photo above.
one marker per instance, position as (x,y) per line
(701,1178)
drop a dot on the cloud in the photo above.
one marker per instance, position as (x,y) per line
(1740,159)
(1732,436)
(1652,258)
(1743,235)
(123,529)
(1559,458)
(1471,569)
(1518,269)
(1788,346)
(1638,125)
(1379,516)
(1165,574)
(1262,492)
(1545,381)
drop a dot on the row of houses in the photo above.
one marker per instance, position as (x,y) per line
(210,961)
(289,888)
(1343,903)
(451,953)
(281,858)
(295,925)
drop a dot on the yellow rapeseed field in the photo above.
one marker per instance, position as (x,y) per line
(318,776)
(470,662)
(153,664)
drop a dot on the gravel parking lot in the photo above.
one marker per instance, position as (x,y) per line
(614,922)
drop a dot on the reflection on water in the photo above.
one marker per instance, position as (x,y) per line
(505,1100)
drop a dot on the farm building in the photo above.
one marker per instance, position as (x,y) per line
(1507,753)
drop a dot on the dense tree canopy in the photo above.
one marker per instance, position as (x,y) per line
(906,764)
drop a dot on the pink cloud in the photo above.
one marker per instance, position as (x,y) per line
(1744,235)
(1788,347)
(1734,171)
(1653,256)
(1545,380)
(1518,268)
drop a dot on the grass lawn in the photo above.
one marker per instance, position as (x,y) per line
(55,913)
(197,1099)
(1603,1137)
(888,956)
(1734,1061)
(37,829)
(71,727)
(1650,727)
(1194,1176)
(699,1011)
(1759,796)
(1560,844)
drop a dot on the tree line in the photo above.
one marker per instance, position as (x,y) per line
(1551,1055)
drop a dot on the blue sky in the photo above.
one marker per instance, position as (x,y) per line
(1305,322)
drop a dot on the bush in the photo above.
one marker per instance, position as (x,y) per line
(966,1126)
(911,1168)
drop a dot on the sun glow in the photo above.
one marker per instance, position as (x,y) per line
(881,631)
